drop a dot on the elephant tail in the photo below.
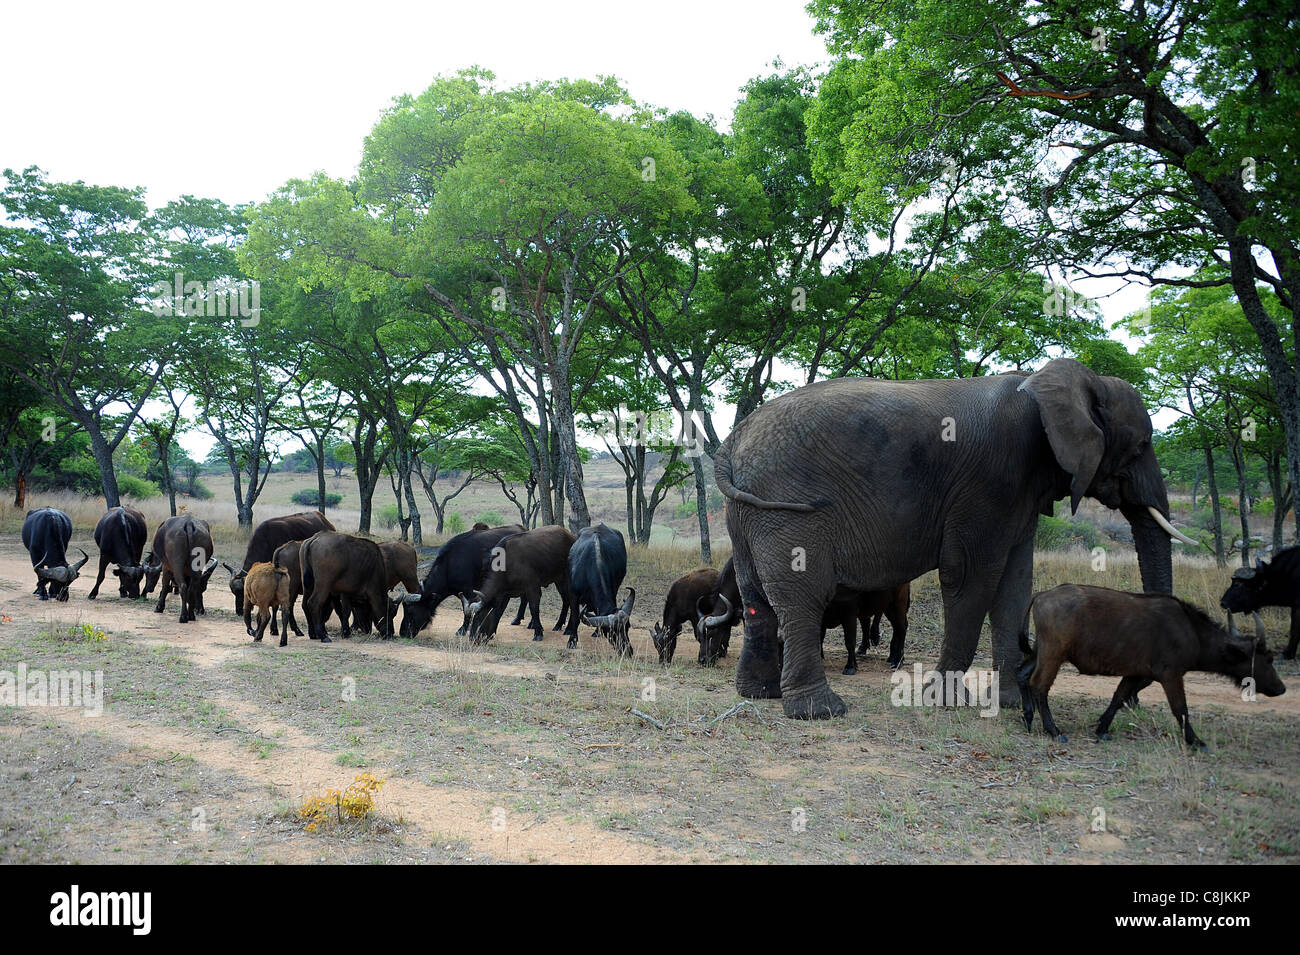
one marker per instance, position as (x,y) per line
(722,476)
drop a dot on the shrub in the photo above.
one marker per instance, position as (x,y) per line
(455,523)
(311,498)
(199,491)
(1057,533)
(388,516)
(131,486)
(492,518)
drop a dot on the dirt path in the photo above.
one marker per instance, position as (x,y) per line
(301,765)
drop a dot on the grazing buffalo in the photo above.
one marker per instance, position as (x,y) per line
(268,536)
(597,566)
(266,587)
(334,563)
(682,606)
(1140,637)
(1274,583)
(121,535)
(458,569)
(182,553)
(718,613)
(46,532)
(520,566)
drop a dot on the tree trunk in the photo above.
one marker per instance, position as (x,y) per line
(1243,504)
(320,473)
(1213,484)
(20,490)
(702,511)
(104,458)
(561,398)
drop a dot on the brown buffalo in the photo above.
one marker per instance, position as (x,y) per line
(182,552)
(266,587)
(682,606)
(1143,638)
(520,566)
(334,563)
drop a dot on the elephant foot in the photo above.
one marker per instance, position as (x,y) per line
(754,689)
(1008,696)
(821,704)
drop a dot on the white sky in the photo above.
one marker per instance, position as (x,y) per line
(230,101)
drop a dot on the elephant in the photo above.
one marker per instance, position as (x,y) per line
(853,485)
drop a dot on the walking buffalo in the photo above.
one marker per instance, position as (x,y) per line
(286,558)
(1140,637)
(1274,583)
(46,532)
(182,552)
(121,535)
(266,587)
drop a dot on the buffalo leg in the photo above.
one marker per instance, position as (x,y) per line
(519,616)
(1178,703)
(290,619)
(164,588)
(263,618)
(850,639)
(103,566)
(534,598)
(275,612)
(1294,643)
(564,613)
(1132,699)
(1123,693)
(898,624)
(1040,683)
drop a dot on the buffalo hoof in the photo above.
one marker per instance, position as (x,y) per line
(1028,720)
(821,704)
(1105,737)
(91,596)
(849,671)
(1062,738)
(42,596)
(538,638)
(284,641)
(573,643)
(251,632)
(326,639)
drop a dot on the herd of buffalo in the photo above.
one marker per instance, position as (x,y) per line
(1144,638)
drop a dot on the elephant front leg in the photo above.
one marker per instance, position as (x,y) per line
(967,597)
(1007,616)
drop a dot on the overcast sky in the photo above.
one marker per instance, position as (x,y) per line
(230,100)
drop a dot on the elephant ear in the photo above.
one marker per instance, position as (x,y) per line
(1066,392)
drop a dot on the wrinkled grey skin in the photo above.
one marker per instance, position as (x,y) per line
(854,478)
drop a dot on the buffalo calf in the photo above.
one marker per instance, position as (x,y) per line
(1143,638)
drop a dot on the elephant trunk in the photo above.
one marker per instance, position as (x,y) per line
(1154,550)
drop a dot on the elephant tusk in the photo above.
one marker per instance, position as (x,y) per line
(1169,528)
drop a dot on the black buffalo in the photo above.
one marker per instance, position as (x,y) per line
(267,537)
(46,532)
(334,563)
(458,570)
(121,535)
(520,565)
(597,566)
(1274,583)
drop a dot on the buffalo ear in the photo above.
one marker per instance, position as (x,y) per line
(1066,392)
